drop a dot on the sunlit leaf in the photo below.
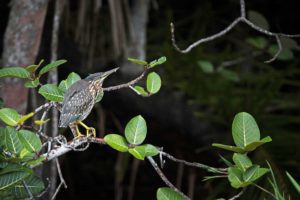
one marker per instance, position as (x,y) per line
(51,92)
(136,130)
(51,66)
(138,152)
(18,72)
(244,129)
(153,82)
(9,116)
(165,193)
(141,91)
(41,122)
(159,61)
(139,62)
(116,142)
(25,117)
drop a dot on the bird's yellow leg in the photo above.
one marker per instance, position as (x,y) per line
(88,129)
(79,134)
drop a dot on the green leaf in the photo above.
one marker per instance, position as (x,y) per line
(229,148)
(150,150)
(32,84)
(26,155)
(25,117)
(51,92)
(11,141)
(136,130)
(294,182)
(138,152)
(33,68)
(51,66)
(259,173)
(206,66)
(227,162)
(159,61)
(252,146)
(116,142)
(229,74)
(258,19)
(153,82)
(34,184)
(41,122)
(9,179)
(71,79)
(288,43)
(285,54)
(136,61)
(165,193)
(258,42)
(235,177)
(250,173)
(35,162)
(242,161)
(244,129)
(141,91)
(18,72)
(9,116)
(30,141)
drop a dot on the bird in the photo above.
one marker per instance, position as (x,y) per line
(79,99)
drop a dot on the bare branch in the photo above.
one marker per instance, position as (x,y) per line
(194,164)
(241,18)
(238,195)
(164,178)
(129,84)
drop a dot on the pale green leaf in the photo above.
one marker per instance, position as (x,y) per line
(141,91)
(9,116)
(35,162)
(229,148)
(32,84)
(150,150)
(153,82)
(116,142)
(244,129)
(18,72)
(25,117)
(252,146)
(136,61)
(51,92)
(242,161)
(136,130)
(159,61)
(165,193)
(235,177)
(138,152)
(30,141)
(206,66)
(51,66)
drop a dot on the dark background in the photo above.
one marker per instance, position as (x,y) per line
(193,109)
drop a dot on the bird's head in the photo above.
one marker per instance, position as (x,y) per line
(99,77)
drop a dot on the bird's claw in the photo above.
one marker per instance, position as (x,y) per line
(92,131)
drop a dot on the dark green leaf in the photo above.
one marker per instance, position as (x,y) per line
(165,193)
(51,92)
(11,141)
(252,146)
(235,177)
(34,184)
(206,66)
(242,161)
(33,68)
(35,162)
(294,182)
(116,142)
(153,83)
(136,130)
(32,84)
(9,179)
(9,116)
(244,129)
(285,54)
(288,43)
(229,74)
(30,141)
(229,148)
(18,72)
(258,19)
(258,42)
(51,66)
(136,61)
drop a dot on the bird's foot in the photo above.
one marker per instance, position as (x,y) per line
(79,135)
(91,132)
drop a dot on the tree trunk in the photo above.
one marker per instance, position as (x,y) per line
(21,45)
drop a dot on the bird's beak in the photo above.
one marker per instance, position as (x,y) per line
(107,73)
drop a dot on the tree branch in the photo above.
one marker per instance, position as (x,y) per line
(241,18)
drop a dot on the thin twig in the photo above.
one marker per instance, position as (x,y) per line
(264,190)
(56,191)
(126,85)
(164,178)
(194,164)
(241,18)
(239,194)
(60,173)
(27,190)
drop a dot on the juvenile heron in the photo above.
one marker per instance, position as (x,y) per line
(80,98)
